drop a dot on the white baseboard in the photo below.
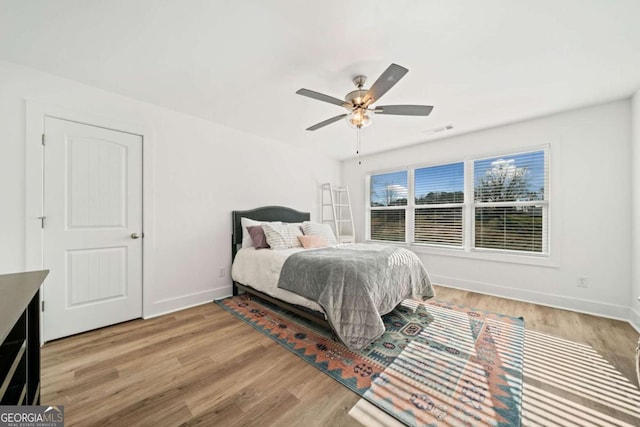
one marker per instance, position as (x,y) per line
(170,305)
(612,311)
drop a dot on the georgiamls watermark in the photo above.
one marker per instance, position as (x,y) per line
(31,416)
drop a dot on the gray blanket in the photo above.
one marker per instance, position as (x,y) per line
(356,284)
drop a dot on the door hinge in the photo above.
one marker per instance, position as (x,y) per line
(42,306)
(42,218)
(43,139)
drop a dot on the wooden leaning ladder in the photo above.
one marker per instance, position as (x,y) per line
(336,210)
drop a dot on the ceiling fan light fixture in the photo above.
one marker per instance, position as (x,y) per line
(358,118)
(356,97)
(359,102)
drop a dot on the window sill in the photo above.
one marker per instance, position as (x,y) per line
(481,255)
(514,258)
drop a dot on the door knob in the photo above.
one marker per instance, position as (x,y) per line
(136,235)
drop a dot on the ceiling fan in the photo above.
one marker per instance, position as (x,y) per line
(360,102)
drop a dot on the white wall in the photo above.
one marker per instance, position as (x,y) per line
(634,296)
(202,172)
(590,209)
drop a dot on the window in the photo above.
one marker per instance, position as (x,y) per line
(439,202)
(388,200)
(505,208)
(509,202)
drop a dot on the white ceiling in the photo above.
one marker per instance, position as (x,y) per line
(239,63)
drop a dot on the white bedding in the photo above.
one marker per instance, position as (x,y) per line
(260,269)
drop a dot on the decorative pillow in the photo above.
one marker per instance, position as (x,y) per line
(257,235)
(282,236)
(309,242)
(247,242)
(316,229)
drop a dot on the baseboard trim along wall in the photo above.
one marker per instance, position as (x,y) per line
(182,302)
(595,308)
(618,312)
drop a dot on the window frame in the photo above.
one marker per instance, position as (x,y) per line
(542,203)
(462,205)
(468,249)
(369,208)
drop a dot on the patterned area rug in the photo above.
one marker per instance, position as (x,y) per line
(438,364)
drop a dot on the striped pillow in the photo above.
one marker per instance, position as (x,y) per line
(316,229)
(282,236)
(247,241)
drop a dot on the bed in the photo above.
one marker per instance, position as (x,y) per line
(344,287)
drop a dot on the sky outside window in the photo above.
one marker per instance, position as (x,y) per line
(389,189)
(506,167)
(440,179)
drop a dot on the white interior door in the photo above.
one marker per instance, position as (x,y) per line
(92,227)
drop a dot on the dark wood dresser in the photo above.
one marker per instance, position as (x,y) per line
(20,337)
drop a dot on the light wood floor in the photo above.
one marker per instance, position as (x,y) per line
(203,366)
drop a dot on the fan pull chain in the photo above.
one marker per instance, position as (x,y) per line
(358,139)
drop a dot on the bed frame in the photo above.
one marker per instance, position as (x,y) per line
(270,213)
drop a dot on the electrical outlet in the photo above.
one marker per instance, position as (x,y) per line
(582,282)
(221,272)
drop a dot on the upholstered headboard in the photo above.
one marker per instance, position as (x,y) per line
(265,213)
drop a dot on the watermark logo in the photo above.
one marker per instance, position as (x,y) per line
(31,416)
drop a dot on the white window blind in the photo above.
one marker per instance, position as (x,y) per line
(510,202)
(507,208)
(439,204)
(388,195)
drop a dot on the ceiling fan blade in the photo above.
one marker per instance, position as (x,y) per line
(327,122)
(386,81)
(404,110)
(322,97)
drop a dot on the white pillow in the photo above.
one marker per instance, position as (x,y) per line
(282,236)
(247,241)
(316,229)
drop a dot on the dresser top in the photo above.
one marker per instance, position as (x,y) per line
(16,291)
